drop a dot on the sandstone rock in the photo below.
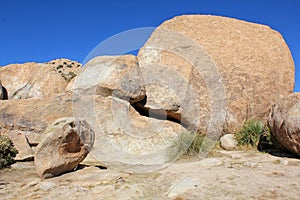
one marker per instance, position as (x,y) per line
(27,119)
(161,97)
(66,143)
(126,140)
(20,143)
(32,116)
(284,122)
(36,80)
(117,76)
(69,87)
(228,142)
(218,64)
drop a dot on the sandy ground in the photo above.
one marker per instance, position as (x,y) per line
(225,175)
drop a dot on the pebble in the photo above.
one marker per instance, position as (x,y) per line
(47,186)
(228,142)
(251,164)
(210,162)
(284,162)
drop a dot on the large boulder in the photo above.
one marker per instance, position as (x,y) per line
(126,140)
(117,76)
(66,143)
(284,122)
(104,93)
(38,80)
(231,70)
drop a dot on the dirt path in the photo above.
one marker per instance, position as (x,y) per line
(227,175)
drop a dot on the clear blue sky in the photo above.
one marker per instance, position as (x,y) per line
(42,30)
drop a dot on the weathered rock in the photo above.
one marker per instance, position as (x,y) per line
(117,76)
(66,143)
(228,142)
(161,97)
(35,80)
(228,64)
(32,116)
(27,119)
(20,143)
(284,122)
(126,140)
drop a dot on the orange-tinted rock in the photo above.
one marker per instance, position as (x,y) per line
(66,143)
(284,122)
(250,65)
(38,80)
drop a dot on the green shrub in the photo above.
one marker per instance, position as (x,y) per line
(7,151)
(250,133)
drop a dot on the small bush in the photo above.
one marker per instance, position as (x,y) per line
(250,133)
(7,151)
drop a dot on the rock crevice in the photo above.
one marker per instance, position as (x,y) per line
(160,114)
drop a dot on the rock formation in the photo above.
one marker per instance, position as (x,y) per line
(284,122)
(227,64)
(124,139)
(34,115)
(38,80)
(195,72)
(66,143)
(104,92)
(117,76)
(25,120)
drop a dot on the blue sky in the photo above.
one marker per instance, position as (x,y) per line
(42,30)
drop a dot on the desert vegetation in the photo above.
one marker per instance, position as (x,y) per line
(7,151)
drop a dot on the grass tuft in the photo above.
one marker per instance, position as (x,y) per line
(190,143)
(250,133)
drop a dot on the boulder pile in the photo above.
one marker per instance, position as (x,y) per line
(196,73)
